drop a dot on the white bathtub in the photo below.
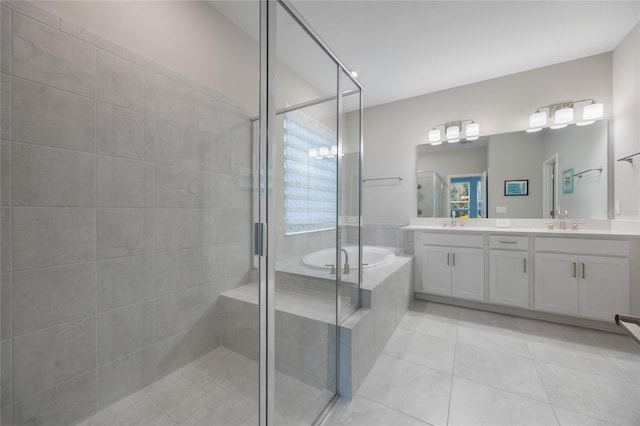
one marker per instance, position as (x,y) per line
(371,257)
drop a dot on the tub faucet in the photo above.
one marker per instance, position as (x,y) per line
(346,262)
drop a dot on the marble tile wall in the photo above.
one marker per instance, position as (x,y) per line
(125,211)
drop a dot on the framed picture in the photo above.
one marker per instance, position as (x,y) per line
(567,181)
(516,187)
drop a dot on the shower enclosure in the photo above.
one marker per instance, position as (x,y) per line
(154,224)
(432,194)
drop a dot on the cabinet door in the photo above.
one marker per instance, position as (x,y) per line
(509,278)
(436,271)
(467,273)
(604,287)
(556,283)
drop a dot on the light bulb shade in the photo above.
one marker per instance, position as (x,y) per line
(434,136)
(473,138)
(472,130)
(323,151)
(453,132)
(453,140)
(592,112)
(538,120)
(558,126)
(564,115)
(313,153)
(436,143)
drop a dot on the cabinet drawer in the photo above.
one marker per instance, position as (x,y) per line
(582,246)
(452,239)
(508,242)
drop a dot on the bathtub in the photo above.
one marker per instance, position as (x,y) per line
(371,257)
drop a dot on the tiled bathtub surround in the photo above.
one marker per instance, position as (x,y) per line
(386,235)
(386,294)
(125,207)
(305,333)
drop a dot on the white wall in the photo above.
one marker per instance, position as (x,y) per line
(500,105)
(626,123)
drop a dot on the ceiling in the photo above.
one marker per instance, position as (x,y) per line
(403,49)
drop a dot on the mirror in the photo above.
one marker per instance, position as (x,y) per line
(518,175)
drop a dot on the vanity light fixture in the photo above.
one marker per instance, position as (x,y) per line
(537,121)
(590,113)
(453,132)
(563,115)
(434,137)
(472,131)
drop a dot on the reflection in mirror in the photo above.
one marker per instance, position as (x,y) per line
(566,169)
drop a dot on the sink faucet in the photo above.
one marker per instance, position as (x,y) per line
(563,215)
(346,261)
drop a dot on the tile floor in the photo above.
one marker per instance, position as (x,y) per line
(454,366)
(443,366)
(219,388)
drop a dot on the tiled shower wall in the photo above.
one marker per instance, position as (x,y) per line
(126,211)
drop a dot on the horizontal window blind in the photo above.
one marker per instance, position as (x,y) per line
(310,184)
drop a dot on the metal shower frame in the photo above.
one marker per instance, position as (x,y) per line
(265,241)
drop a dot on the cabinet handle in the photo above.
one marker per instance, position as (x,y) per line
(454,259)
(574,270)
(448,263)
(524,261)
(508,242)
(584,270)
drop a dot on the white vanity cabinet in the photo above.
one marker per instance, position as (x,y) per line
(450,265)
(556,283)
(583,277)
(586,275)
(509,270)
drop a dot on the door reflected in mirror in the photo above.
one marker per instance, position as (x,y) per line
(445,187)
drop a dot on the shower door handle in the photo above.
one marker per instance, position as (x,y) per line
(258,231)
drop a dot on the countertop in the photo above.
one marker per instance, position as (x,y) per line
(527,231)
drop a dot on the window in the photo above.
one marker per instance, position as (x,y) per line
(310,181)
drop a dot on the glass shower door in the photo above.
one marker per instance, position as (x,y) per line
(305,214)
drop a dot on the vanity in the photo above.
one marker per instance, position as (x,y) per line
(496,227)
(583,277)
